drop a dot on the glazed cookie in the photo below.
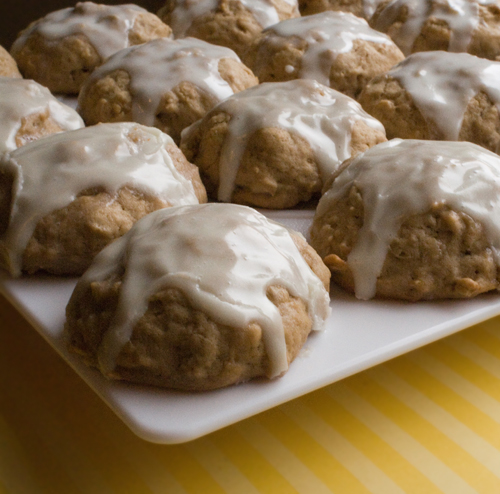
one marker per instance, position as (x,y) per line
(471,26)
(413,220)
(66,196)
(29,111)
(337,49)
(61,49)
(197,298)
(438,95)
(164,83)
(231,23)
(360,8)
(8,66)
(276,144)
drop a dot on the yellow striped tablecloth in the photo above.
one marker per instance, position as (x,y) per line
(426,422)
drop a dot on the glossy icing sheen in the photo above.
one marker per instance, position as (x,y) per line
(401,178)
(186,11)
(223,258)
(106,27)
(327,35)
(322,116)
(158,66)
(441,85)
(20,98)
(51,172)
(461,16)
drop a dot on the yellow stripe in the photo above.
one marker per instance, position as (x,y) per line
(15,469)
(378,451)
(369,475)
(256,468)
(316,458)
(186,470)
(437,430)
(433,475)
(220,467)
(284,461)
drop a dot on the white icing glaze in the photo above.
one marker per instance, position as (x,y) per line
(322,116)
(51,172)
(223,258)
(107,27)
(20,98)
(401,178)
(327,35)
(461,16)
(186,11)
(160,65)
(441,84)
(369,7)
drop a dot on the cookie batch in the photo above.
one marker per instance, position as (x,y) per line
(380,117)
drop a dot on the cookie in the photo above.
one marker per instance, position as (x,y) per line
(231,23)
(29,111)
(61,49)
(413,220)
(197,298)
(439,96)
(66,196)
(360,8)
(471,26)
(8,66)
(337,49)
(276,144)
(164,83)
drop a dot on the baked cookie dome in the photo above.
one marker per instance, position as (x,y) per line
(276,144)
(8,66)
(360,8)
(61,49)
(471,26)
(164,83)
(440,96)
(231,23)
(199,297)
(336,49)
(66,196)
(413,220)
(29,111)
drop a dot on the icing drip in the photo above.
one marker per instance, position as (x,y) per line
(461,16)
(327,35)
(186,11)
(322,116)
(106,27)
(160,65)
(223,258)
(51,172)
(401,178)
(442,84)
(20,98)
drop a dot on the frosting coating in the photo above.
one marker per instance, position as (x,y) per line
(401,178)
(160,65)
(51,172)
(327,35)
(223,257)
(107,27)
(20,98)
(323,116)
(441,85)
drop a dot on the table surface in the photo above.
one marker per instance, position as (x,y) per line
(426,422)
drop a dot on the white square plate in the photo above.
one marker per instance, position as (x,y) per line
(358,335)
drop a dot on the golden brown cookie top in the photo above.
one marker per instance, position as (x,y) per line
(21,98)
(223,257)
(320,115)
(51,172)
(401,178)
